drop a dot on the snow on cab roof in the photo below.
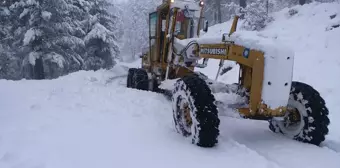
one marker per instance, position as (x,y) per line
(191,4)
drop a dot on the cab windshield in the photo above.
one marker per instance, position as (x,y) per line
(187,25)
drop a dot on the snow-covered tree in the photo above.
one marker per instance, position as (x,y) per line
(136,26)
(4,21)
(229,10)
(222,10)
(9,64)
(49,37)
(100,40)
(215,8)
(118,11)
(256,16)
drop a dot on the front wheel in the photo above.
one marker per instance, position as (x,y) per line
(194,112)
(307,116)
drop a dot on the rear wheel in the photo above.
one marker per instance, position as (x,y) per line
(140,79)
(307,117)
(194,112)
(129,77)
(137,78)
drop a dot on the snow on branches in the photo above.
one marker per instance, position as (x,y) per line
(256,16)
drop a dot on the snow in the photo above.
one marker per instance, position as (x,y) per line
(32,56)
(46,15)
(90,119)
(183,3)
(56,58)
(4,11)
(72,41)
(24,13)
(168,84)
(23,3)
(249,39)
(99,32)
(30,35)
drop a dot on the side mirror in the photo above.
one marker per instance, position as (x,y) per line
(205,26)
(141,56)
(225,36)
(177,31)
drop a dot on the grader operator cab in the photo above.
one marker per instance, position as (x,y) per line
(180,19)
(265,90)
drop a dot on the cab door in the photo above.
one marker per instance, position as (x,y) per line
(153,18)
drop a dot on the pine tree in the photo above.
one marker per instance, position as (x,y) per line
(215,8)
(50,36)
(100,39)
(9,64)
(136,26)
(256,16)
(46,38)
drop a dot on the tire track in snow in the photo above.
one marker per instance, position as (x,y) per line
(331,145)
(278,149)
(272,163)
(112,79)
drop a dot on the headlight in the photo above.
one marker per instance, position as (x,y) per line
(201,3)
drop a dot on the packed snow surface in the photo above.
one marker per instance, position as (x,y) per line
(91,120)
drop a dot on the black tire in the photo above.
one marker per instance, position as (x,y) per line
(201,75)
(140,79)
(155,86)
(129,81)
(313,115)
(204,128)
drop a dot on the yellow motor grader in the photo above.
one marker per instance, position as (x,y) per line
(265,85)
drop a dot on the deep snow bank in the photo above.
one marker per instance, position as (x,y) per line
(312,34)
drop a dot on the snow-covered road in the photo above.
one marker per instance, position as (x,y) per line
(88,120)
